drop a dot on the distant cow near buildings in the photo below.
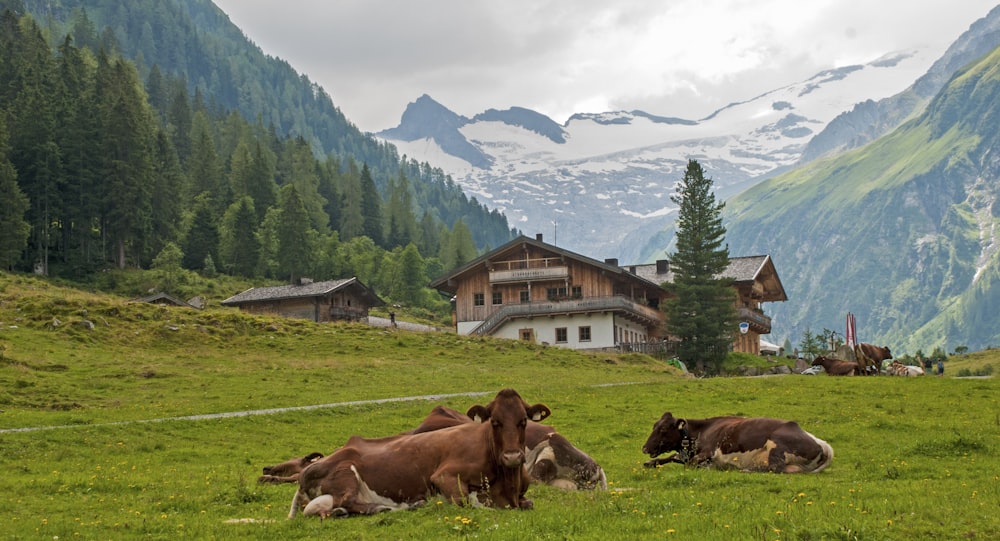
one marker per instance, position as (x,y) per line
(870,357)
(744,443)
(480,462)
(899,369)
(837,367)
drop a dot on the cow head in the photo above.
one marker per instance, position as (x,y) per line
(668,435)
(293,466)
(508,415)
(289,470)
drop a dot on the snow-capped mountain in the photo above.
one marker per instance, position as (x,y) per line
(600,180)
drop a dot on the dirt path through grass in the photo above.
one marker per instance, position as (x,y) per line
(269,411)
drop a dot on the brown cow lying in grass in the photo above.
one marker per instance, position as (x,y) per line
(481,463)
(744,443)
(837,367)
(550,458)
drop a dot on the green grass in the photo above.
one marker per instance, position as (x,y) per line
(916,458)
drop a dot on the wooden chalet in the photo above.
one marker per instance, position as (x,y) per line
(755,280)
(334,300)
(530,290)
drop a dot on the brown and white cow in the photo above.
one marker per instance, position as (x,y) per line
(550,457)
(744,443)
(837,367)
(899,369)
(479,463)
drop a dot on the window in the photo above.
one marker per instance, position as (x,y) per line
(553,293)
(525,296)
(497,297)
(585,334)
(577,292)
(528,335)
(561,335)
(478,299)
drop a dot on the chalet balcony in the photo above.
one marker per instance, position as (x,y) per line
(622,305)
(529,270)
(759,323)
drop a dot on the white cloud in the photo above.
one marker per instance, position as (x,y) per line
(680,58)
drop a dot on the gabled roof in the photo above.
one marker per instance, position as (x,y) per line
(445,282)
(161,297)
(746,269)
(305,290)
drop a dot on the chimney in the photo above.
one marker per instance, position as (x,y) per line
(631,269)
(612,261)
(538,237)
(303,281)
(662,266)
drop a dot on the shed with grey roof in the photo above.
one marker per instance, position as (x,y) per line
(333,300)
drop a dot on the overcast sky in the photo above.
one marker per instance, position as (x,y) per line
(683,58)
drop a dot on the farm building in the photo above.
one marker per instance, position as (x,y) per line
(334,300)
(530,290)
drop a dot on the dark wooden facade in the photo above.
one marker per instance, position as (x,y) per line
(335,300)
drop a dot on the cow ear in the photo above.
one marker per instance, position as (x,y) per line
(478,413)
(538,412)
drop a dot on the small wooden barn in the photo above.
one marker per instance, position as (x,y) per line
(333,300)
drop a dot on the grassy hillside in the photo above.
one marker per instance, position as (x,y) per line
(99,423)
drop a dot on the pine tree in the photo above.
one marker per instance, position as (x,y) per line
(371,207)
(239,248)
(700,312)
(202,238)
(127,138)
(413,277)
(13,206)
(402,226)
(294,251)
(352,221)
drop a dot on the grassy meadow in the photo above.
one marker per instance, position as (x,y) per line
(111,428)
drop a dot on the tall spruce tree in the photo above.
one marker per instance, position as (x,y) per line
(371,207)
(13,206)
(700,312)
(294,250)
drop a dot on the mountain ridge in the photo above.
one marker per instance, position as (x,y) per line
(607,182)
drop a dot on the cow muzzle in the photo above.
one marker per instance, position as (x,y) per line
(513,459)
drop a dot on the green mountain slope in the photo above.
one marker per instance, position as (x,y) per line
(900,232)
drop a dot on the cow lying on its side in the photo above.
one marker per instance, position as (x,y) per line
(479,463)
(550,458)
(899,369)
(748,444)
(837,367)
